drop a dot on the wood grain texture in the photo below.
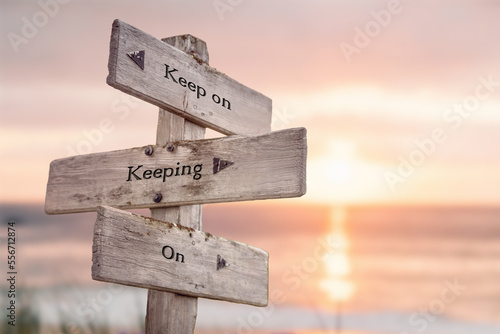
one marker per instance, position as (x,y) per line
(170,313)
(265,167)
(249,113)
(130,249)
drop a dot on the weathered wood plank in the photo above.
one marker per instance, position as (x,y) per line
(234,109)
(144,252)
(263,167)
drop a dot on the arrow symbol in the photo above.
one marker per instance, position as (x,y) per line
(221,263)
(138,57)
(220,164)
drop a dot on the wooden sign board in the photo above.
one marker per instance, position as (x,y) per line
(146,67)
(234,168)
(144,252)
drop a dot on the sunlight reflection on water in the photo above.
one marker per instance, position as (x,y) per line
(337,263)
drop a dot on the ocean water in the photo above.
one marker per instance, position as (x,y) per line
(375,269)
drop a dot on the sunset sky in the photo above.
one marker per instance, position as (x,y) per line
(370,80)
(401,101)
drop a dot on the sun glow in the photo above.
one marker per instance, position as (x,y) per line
(340,175)
(341,165)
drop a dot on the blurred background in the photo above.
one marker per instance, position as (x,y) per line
(399,230)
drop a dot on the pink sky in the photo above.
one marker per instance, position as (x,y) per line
(363,111)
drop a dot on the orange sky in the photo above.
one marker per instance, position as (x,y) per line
(420,71)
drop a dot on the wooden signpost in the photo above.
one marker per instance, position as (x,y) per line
(183,84)
(168,253)
(236,168)
(170,257)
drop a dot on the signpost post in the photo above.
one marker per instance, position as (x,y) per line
(168,253)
